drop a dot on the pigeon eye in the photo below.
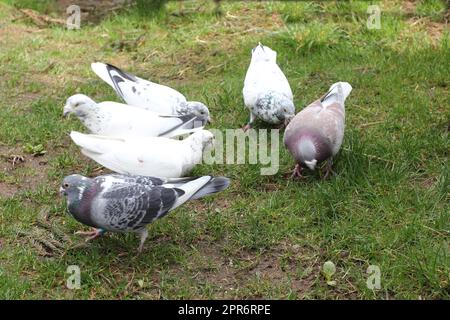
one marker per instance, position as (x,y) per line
(66,185)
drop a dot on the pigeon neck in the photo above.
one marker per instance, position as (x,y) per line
(196,145)
(89,116)
(182,108)
(80,204)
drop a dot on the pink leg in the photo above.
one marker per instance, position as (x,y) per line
(246,127)
(90,235)
(297,173)
(329,169)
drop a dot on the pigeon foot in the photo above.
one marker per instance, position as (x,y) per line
(329,170)
(297,173)
(246,127)
(90,235)
(144,235)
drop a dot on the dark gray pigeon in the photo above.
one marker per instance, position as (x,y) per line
(315,134)
(122,203)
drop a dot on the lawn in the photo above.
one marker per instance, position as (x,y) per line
(265,236)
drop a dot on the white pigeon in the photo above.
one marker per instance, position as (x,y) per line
(151,156)
(119,120)
(267,93)
(148,95)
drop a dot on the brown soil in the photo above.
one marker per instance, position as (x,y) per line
(22,175)
(434,29)
(92,10)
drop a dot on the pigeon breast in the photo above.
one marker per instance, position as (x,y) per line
(327,123)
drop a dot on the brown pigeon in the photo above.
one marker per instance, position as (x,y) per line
(315,134)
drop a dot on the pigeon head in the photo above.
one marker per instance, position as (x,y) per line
(74,188)
(263,53)
(78,104)
(199,109)
(285,111)
(204,138)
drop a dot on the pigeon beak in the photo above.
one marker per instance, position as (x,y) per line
(62,192)
(66,111)
(287,120)
(209,120)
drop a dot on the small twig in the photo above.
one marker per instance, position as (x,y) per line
(228,15)
(214,67)
(200,40)
(153,53)
(180,74)
(434,230)
(364,125)
(41,20)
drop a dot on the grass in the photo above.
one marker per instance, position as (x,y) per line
(265,237)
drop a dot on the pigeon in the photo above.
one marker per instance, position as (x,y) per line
(315,134)
(267,93)
(121,203)
(148,95)
(119,120)
(150,156)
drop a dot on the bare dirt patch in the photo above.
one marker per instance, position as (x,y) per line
(91,10)
(20,171)
(285,266)
(409,7)
(434,29)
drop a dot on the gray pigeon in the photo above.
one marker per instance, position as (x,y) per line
(267,93)
(315,134)
(122,203)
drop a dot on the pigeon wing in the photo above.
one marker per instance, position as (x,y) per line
(129,121)
(129,207)
(139,92)
(160,157)
(119,179)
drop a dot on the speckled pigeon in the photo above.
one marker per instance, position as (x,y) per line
(267,93)
(147,156)
(121,203)
(119,120)
(148,95)
(315,134)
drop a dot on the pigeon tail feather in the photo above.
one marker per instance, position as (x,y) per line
(338,92)
(101,70)
(90,142)
(201,187)
(311,164)
(215,185)
(112,75)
